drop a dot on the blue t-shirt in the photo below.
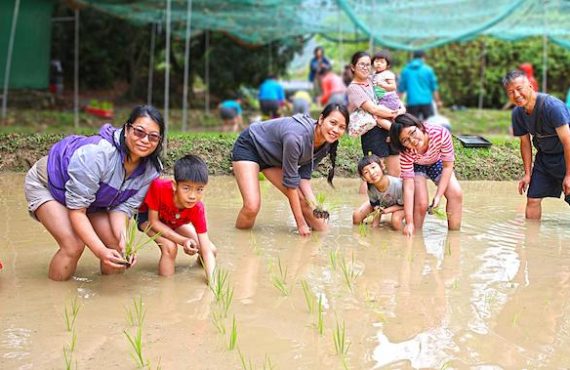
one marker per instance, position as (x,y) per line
(554,114)
(419,82)
(270,89)
(231,104)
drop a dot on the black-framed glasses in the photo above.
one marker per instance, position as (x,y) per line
(363,65)
(140,133)
(413,133)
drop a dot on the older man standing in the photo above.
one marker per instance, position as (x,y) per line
(546,119)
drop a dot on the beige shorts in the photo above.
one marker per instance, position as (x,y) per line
(36,186)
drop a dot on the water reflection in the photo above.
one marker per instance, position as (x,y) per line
(495,295)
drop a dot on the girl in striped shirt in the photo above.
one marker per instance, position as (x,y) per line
(426,151)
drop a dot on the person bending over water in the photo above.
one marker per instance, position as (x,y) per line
(287,150)
(86,189)
(426,151)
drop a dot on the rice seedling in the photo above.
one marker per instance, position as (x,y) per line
(515,320)
(437,212)
(68,352)
(363,229)
(219,286)
(348,272)
(267,364)
(71,312)
(333,258)
(135,317)
(372,215)
(218,321)
(279,281)
(309,297)
(137,347)
(319,211)
(246,364)
(448,247)
(320,320)
(341,344)
(133,244)
(233,335)
(445,366)
(226,300)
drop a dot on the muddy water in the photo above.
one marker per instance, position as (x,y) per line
(496,295)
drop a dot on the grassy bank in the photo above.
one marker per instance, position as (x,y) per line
(30,134)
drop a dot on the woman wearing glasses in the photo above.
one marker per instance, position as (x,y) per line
(426,151)
(360,94)
(86,189)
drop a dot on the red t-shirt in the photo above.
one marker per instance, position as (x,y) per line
(160,197)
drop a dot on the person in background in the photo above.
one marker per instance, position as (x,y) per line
(419,84)
(384,81)
(86,189)
(547,120)
(568,99)
(528,70)
(347,75)
(231,114)
(174,209)
(360,94)
(287,150)
(271,97)
(318,62)
(301,102)
(333,88)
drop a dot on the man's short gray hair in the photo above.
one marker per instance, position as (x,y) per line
(511,76)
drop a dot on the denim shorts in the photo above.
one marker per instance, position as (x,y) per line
(244,150)
(433,171)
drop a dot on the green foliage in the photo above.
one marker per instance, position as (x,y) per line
(133,244)
(71,312)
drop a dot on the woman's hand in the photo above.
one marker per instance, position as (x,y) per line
(304,230)
(408,230)
(435,202)
(112,258)
(190,247)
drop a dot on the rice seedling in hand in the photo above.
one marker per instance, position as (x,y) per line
(363,229)
(348,272)
(437,212)
(233,335)
(135,317)
(280,280)
(71,312)
(319,211)
(309,297)
(134,245)
(341,345)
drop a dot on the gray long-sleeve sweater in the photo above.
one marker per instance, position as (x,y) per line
(288,143)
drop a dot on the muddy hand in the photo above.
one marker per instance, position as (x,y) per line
(190,247)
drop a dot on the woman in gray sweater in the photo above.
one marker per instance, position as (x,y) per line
(287,150)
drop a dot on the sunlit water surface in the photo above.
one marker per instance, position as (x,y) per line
(493,296)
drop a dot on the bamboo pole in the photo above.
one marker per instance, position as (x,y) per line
(186,66)
(9,58)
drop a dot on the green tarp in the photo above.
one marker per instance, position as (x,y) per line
(32,43)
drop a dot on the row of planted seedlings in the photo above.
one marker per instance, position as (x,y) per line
(279,278)
(135,315)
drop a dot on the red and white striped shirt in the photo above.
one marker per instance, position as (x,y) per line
(440,146)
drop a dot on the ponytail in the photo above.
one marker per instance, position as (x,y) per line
(332,158)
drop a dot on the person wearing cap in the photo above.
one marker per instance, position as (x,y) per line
(419,83)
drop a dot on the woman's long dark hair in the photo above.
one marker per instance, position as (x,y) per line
(400,122)
(152,113)
(332,151)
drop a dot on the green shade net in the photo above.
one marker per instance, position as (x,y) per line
(397,24)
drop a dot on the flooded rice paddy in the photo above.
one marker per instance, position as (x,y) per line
(494,296)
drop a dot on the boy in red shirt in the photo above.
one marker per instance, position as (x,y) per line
(174,209)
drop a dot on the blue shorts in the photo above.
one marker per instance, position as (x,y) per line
(433,171)
(547,176)
(244,150)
